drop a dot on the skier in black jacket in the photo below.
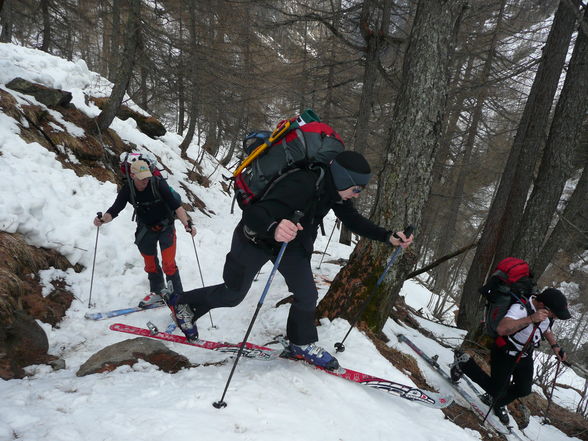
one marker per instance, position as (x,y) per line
(257,238)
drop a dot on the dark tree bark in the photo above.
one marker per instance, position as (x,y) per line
(571,229)
(518,172)
(115,41)
(193,111)
(406,177)
(441,168)
(556,165)
(374,40)
(6,19)
(123,76)
(449,228)
(142,60)
(180,79)
(533,139)
(330,104)
(45,5)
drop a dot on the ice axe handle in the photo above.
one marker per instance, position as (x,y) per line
(407,232)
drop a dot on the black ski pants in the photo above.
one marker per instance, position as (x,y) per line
(498,384)
(242,263)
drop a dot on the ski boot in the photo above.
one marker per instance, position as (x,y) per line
(150,299)
(455,369)
(486,399)
(181,313)
(502,414)
(313,354)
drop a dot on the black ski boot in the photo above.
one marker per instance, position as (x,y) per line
(455,369)
(502,414)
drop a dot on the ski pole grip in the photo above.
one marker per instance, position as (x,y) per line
(99,215)
(297,216)
(408,230)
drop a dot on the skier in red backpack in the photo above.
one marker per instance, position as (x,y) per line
(526,322)
(257,238)
(156,207)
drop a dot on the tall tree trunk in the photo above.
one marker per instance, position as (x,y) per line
(556,165)
(180,78)
(45,5)
(373,36)
(527,140)
(193,112)
(455,204)
(113,66)
(330,103)
(7,20)
(406,177)
(533,139)
(571,227)
(143,99)
(441,168)
(126,68)
(106,24)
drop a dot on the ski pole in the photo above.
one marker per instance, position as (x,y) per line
(99,215)
(550,399)
(199,269)
(340,347)
(221,403)
(328,242)
(514,366)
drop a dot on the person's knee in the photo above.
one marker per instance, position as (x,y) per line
(150,264)
(305,301)
(233,298)
(233,274)
(169,267)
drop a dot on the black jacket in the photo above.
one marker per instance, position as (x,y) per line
(152,209)
(298,191)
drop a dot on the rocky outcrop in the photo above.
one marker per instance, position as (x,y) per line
(128,352)
(22,341)
(46,95)
(149,125)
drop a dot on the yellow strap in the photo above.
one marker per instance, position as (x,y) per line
(277,133)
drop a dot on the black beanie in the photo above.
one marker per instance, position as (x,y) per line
(349,169)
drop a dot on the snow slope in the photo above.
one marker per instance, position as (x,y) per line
(54,208)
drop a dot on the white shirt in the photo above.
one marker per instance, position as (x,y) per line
(519,338)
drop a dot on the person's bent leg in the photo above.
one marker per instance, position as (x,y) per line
(501,364)
(241,264)
(522,382)
(477,375)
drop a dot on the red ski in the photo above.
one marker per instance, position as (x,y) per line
(429,399)
(250,350)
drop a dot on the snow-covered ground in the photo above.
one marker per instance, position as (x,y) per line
(54,208)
